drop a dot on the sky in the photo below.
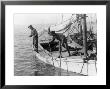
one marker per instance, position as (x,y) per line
(26,19)
(23,19)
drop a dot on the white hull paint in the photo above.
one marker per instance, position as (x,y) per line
(70,64)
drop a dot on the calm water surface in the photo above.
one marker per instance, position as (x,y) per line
(23,54)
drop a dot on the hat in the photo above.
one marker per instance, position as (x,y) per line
(29,26)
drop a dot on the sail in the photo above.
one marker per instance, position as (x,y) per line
(60,28)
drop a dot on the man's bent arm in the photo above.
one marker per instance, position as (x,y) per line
(30,36)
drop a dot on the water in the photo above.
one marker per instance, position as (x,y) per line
(23,54)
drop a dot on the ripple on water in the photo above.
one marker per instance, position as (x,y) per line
(23,57)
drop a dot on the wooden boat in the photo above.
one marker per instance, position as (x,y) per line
(49,53)
(69,63)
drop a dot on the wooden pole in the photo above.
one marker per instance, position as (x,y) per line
(84,28)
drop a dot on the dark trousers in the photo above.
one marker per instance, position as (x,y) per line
(35,43)
(63,43)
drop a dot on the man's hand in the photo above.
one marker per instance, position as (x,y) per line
(30,36)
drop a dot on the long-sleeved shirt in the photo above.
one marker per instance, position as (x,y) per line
(33,33)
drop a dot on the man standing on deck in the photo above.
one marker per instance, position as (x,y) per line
(34,33)
(61,38)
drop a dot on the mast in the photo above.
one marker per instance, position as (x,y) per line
(84,28)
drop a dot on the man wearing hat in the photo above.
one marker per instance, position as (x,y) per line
(34,33)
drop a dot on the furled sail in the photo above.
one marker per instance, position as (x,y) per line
(60,28)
